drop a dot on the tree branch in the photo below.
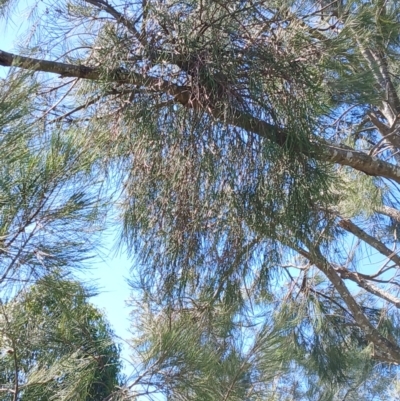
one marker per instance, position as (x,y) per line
(390,105)
(349,226)
(104,5)
(386,83)
(390,350)
(390,212)
(320,149)
(360,161)
(371,288)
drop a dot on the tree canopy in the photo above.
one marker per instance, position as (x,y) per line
(251,150)
(56,345)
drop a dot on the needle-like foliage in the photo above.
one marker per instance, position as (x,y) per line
(55,345)
(48,216)
(254,150)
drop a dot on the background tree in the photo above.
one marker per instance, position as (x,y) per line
(56,345)
(53,343)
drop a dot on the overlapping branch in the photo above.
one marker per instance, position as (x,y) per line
(349,226)
(367,286)
(389,351)
(390,212)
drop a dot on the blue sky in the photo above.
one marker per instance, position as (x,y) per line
(109,273)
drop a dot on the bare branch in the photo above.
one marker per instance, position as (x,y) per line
(371,288)
(349,226)
(104,5)
(76,109)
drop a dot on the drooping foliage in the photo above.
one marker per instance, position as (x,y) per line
(203,352)
(253,149)
(48,216)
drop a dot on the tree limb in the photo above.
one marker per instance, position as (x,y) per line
(390,212)
(104,5)
(371,288)
(320,149)
(390,350)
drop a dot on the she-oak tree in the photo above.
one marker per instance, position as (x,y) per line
(250,138)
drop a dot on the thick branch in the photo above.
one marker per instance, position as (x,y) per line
(91,73)
(360,161)
(320,150)
(32,64)
(349,226)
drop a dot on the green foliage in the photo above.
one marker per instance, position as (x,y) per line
(206,353)
(56,345)
(218,125)
(47,213)
(305,350)
(358,195)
